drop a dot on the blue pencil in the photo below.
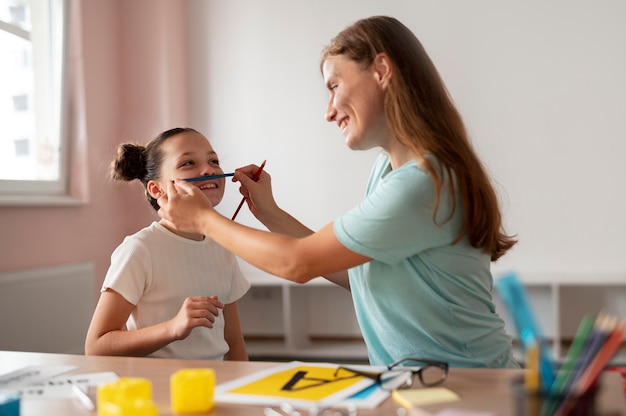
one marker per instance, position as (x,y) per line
(204,178)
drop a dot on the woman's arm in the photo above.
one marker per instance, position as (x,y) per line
(259,197)
(233,334)
(296,259)
(107,334)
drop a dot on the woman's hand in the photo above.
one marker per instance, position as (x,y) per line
(258,194)
(184,206)
(196,311)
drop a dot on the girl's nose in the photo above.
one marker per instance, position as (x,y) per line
(209,169)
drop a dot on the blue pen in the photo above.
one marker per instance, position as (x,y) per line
(515,299)
(204,178)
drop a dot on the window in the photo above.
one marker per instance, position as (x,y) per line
(33,156)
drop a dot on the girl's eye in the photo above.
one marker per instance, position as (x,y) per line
(187,163)
(214,162)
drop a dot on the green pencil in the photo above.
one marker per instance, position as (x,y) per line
(566,370)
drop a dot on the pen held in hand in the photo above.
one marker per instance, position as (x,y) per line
(256,177)
(204,178)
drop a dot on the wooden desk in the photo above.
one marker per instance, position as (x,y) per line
(486,390)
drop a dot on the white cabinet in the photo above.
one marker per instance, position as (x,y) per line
(315,321)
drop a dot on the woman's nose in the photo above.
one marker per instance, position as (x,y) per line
(331,112)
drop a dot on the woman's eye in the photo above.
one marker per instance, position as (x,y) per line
(187,163)
(214,162)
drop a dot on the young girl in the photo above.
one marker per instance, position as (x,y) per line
(169,293)
(416,252)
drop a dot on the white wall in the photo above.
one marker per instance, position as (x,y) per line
(541,86)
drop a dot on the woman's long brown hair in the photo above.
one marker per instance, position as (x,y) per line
(423,117)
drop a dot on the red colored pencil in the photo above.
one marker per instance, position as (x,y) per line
(601,359)
(256,177)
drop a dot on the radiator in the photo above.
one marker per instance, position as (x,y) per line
(46,309)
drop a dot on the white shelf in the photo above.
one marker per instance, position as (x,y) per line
(560,301)
(315,351)
(296,314)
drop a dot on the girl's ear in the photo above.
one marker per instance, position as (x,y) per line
(382,69)
(154,189)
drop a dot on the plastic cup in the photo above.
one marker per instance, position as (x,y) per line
(192,390)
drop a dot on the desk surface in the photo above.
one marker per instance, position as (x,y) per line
(480,389)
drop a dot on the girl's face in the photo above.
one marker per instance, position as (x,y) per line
(189,155)
(356,101)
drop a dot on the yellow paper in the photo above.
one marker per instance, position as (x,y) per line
(421,397)
(303,382)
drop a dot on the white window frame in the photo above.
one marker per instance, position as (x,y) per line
(50,38)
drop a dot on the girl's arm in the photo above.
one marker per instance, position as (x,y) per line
(107,334)
(233,334)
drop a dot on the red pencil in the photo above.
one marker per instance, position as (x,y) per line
(256,177)
(602,358)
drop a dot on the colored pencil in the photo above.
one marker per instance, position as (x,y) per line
(256,177)
(203,178)
(569,362)
(602,329)
(601,359)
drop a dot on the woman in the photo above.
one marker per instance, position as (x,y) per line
(418,248)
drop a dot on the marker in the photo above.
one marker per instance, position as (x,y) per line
(531,380)
(204,178)
(84,398)
(256,177)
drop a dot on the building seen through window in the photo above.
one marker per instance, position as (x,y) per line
(31,87)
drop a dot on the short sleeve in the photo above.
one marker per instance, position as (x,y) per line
(396,219)
(240,285)
(128,273)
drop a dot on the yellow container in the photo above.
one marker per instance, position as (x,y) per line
(121,392)
(192,390)
(128,407)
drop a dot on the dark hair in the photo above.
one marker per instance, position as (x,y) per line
(135,161)
(423,117)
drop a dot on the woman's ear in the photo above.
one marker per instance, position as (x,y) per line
(154,189)
(382,69)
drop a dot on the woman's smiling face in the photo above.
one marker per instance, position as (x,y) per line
(189,155)
(356,102)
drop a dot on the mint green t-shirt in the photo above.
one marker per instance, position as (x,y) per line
(420,296)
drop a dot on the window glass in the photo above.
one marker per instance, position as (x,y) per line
(32,153)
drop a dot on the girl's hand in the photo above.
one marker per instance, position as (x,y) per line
(196,311)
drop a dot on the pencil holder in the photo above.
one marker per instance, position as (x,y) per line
(192,390)
(122,392)
(542,403)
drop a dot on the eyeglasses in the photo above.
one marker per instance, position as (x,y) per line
(431,373)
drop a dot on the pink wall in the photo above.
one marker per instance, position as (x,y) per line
(134,61)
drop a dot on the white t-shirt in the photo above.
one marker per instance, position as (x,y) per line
(155,270)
